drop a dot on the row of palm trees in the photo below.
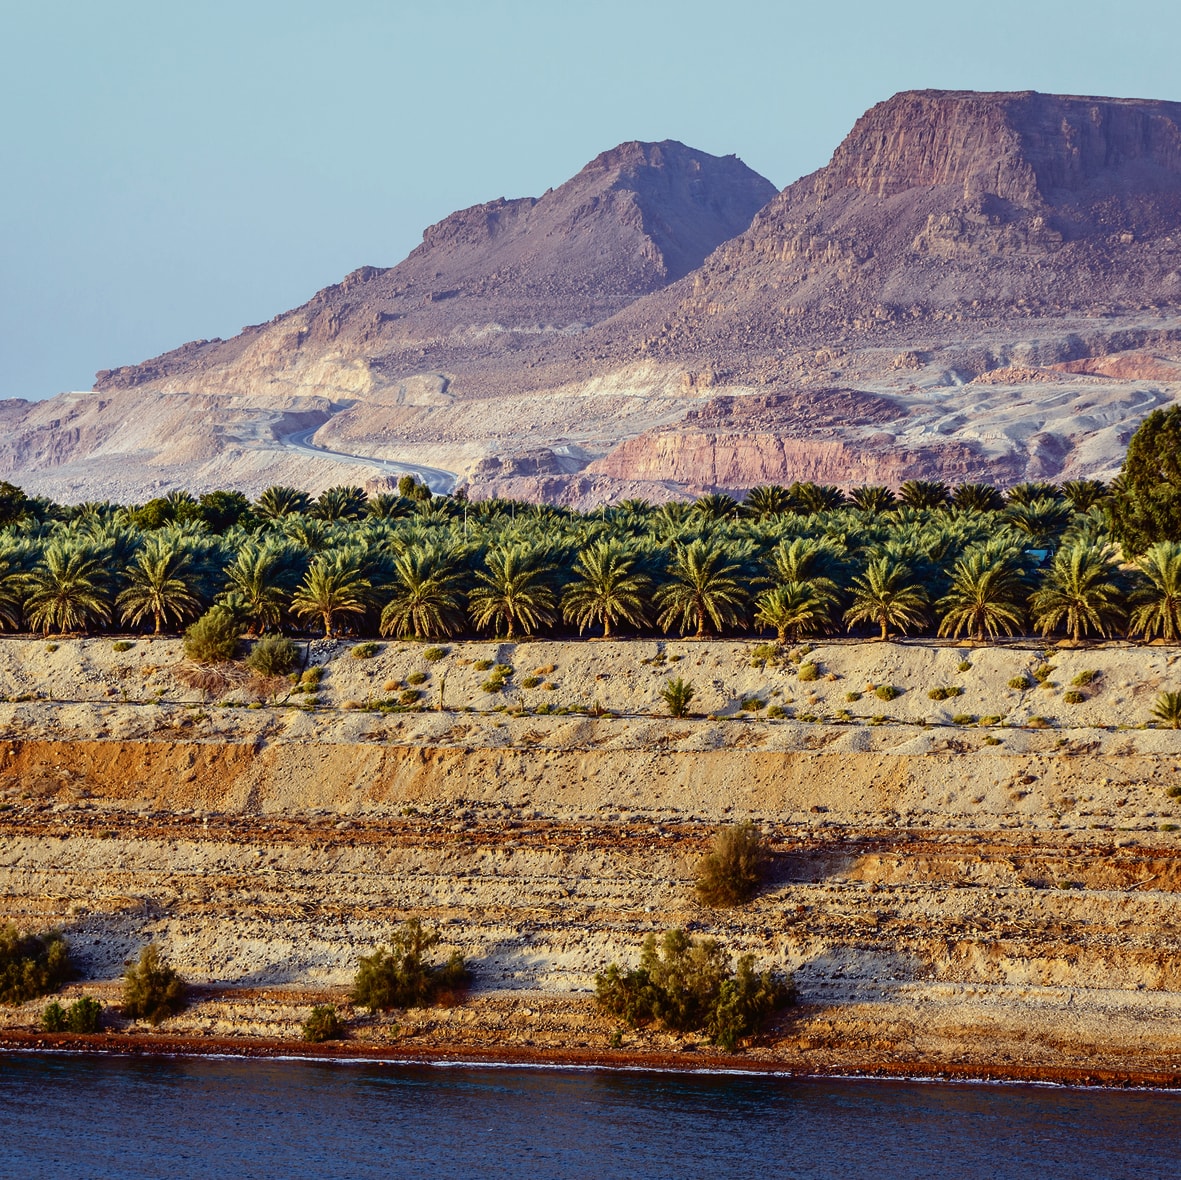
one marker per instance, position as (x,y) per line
(800,561)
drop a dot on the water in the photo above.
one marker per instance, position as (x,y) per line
(97,1117)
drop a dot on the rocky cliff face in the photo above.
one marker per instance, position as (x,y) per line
(956,246)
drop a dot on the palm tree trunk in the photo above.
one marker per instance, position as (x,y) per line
(885,634)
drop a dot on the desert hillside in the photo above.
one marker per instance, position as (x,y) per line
(998,274)
(976,849)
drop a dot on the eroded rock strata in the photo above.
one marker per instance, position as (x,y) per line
(994,900)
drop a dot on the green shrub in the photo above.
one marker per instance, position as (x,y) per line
(530,681)
(733,871)
(364,651)
(273,655)
(887,692)
(399,976)
(323,1025)
(432,655)
(678,695)
(82,1016)
(809,671)
(776,711)
(52,647)
(482,665)
(687,984)
(965,665)
(852,696)
(1019,682)
(1073,697)
(152,990)
(1042,672)
(1085,677)
(752,704)
(1167,709)
(408,696)
(310,680)
(1174,792)
(964,719)
(417,678)
(946,692)
(214,637)
(32,964)
(122,645)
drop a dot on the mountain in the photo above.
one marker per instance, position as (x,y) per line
(976,286)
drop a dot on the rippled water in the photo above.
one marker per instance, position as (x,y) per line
(96,1117)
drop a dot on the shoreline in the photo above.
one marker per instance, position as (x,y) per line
(251,1048)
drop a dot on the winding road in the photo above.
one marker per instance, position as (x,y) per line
(435,478)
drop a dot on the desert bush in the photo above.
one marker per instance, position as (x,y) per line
(776,711)
(965,665)
(1085,677)
(530,681)
(273,655)
(152,990)
(1167,709)
(1073,697)
(964,719)
(887,692)
(482,665)
(122,645)
(687,984)
(1019,682)
(310,680)
(417,678)
(752,704)
(32,964)
(409,696)
(214,637)
(323,1025)
(1042,672)
(809,671)
(432,655)
(852,696)
(733,870)
(945,692)
(82,1016)
(399,976)
(678,695)
(364,651)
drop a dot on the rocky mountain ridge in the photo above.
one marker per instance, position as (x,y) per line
(958,252)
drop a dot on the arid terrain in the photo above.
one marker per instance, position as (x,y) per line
(993,279)
(983,884)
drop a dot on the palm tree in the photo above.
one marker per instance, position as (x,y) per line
(1041,520)
(279,501)
(341,503)
(1079,593)
(703,590)
(977,497)
(871,498)
(426,583)
(389,506)
(1030,493)
(13,578)
(795,609)
(985,596)
(815,497)
(764,502)
(885,594)
(806,559)
(1084,494)
(1157,604)
(923,493)
(334,585)
(68,589)
(159,582)
(514,589)
(716,506)
(264,575)
(607,588)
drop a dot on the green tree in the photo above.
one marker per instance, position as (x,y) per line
(703,592)
(794,609)
(32,964)
(1085,494)
(886,595)
(733,871)
(152,989)
(279,501)
(716,506)
(1145,506)
(986,596)
(608,588)
(1157,601)
(873,498)
(263,575)
(678,695)
(334,585)
(1040,520)
(426,594)
(977,497)
(924,493)
(766,502)
(399,976)
(513,590)
(67,589)
(341,503)
(1079,594)
(159,582)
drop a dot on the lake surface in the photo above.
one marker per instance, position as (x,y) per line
(95,1117)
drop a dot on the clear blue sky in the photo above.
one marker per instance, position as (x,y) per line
(174,171)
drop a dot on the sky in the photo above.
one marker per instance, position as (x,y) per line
(177,171)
